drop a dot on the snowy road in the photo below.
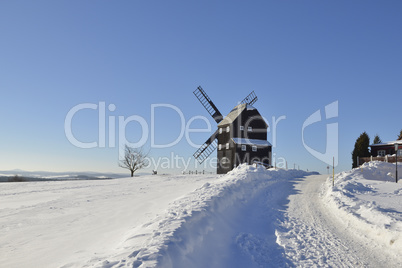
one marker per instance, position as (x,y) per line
(313,235)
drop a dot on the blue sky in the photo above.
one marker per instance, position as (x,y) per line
(297,56)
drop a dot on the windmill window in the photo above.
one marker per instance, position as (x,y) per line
(243,147)
(220,147)
(227,129)
(227,146)
(381,152)
(220,130)
(254,148)
(250,129)
(241,128)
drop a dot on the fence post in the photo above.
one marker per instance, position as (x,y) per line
(358,161)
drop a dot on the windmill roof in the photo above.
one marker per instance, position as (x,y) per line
(235,112)
(261,143)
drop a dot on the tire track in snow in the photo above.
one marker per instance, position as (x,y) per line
(313,237)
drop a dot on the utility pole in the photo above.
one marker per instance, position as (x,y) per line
(396,162)
(333,171)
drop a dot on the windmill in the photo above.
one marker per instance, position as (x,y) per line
(234,138)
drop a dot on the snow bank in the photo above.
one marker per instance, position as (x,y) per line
(188,221)
(369,203)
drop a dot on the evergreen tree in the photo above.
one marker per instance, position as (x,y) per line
(400,136)
(361,148)
(377,139)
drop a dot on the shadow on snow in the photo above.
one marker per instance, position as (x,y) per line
(242,234)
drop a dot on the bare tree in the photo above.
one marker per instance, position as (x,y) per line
(134,159)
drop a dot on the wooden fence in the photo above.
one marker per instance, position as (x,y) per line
(387,158)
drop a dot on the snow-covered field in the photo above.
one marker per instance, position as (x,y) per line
(251,217)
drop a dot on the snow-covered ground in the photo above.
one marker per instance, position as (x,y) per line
(368,202)
(51,224)
(324,226)
(250,217)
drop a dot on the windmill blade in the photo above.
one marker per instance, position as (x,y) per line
(208,104)
(207,148)
(250,99)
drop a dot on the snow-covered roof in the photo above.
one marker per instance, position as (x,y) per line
(261,143)
(387,143)
(235,112)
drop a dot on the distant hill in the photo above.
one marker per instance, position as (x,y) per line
(22,175)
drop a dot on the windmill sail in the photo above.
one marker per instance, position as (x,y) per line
(250,99)
(207,148)
(208,104)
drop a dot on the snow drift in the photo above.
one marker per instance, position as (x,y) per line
(369,202)
(207,219)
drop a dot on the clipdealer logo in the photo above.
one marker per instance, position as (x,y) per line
(111,132)
(331,151)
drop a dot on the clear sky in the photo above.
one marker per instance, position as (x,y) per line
(298,56)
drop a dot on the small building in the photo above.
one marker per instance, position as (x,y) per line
(382,152)
(386,148)
(242,138)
